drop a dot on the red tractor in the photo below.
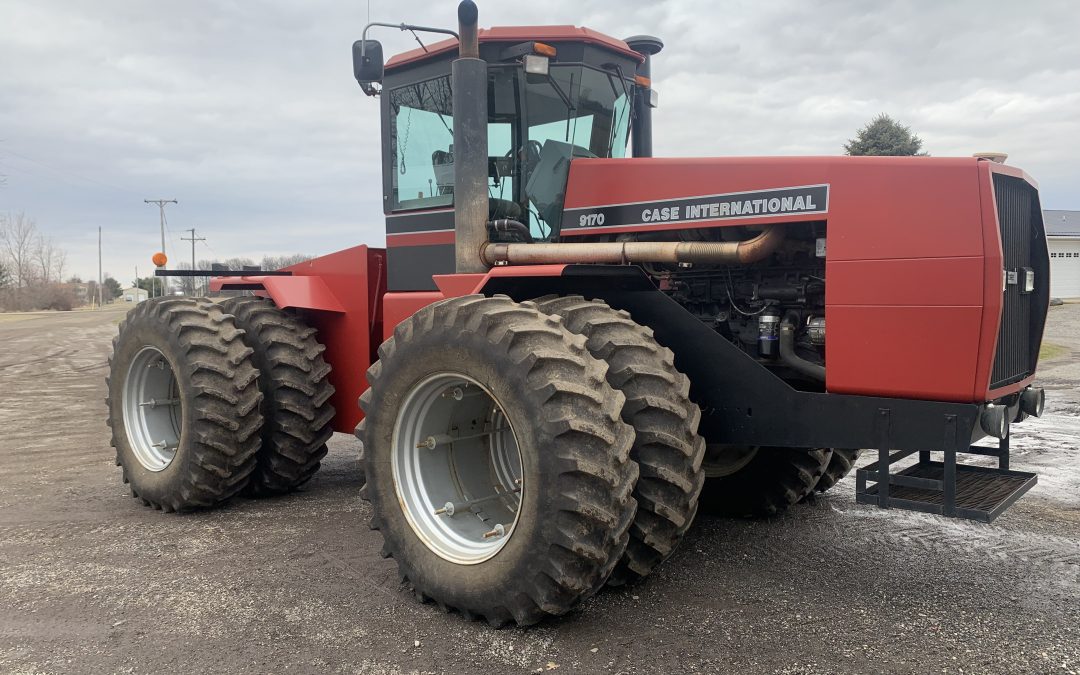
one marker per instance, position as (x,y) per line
(563,349)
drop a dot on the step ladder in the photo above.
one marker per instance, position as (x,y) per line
(946,488)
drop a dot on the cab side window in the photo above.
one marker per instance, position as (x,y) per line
(422,145)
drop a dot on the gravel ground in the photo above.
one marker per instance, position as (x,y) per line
(94,582)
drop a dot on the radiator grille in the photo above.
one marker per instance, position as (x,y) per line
(1023,246)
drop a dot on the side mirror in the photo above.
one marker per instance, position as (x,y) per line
(367,61)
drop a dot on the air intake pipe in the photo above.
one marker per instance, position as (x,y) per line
(469,74)
(621,252)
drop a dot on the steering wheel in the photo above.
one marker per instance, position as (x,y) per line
(529,154)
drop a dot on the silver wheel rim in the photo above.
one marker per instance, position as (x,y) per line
(724,460)
(152,410)
(457,469)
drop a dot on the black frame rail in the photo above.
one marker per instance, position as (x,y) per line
(945,488)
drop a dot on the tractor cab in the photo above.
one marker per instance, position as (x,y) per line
(554,93)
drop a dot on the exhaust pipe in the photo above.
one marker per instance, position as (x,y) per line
(622,252)
(469,75)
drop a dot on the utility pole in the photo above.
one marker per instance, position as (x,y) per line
(99,267)
(161,207)
(193,239)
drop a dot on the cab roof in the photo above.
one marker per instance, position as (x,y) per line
(553,34)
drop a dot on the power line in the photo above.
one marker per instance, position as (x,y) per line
(193,239)
(99,295)
(161,208)
(63,173)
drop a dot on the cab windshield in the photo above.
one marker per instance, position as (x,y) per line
(582,106)
(577,111)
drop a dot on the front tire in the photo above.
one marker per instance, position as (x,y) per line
(766,482)
(497,464)
(183,404)
(667,448)
(840,465)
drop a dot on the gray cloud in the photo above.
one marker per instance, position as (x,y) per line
(247,112)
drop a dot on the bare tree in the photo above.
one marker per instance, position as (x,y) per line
(18,235)
(59,263)
(45,256)
(189,285)
(272,262)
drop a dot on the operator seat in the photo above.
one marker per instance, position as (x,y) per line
(442,161)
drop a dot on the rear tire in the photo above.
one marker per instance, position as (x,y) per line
(294,381)
(666,447)
(183,404)
(840,465)
(556,538)
(772,481)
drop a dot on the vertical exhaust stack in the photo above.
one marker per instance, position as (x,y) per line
(641,130)
(469,74)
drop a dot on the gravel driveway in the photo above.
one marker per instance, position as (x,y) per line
(91,581)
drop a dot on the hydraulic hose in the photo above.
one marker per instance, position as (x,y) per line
(793,360)
(509,225)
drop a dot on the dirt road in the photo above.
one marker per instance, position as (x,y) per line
(91,581)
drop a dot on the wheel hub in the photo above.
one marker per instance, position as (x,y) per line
(724,460)
(152,409)
(457,469)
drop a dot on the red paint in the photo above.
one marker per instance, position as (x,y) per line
(515,34)
(902,351)
(295,292)
(943,282)
(400,306)
(523,271)
(913,298)
(456,285)
(420,238)
(338,295)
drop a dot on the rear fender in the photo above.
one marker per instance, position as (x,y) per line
(338,295)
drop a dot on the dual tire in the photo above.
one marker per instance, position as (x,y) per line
(765,482)
(209,400)
(521,455)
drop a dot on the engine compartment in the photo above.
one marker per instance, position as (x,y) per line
(750,305)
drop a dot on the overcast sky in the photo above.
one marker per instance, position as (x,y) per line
(247,113)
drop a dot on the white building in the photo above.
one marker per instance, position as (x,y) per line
(133,295)
(1063,240)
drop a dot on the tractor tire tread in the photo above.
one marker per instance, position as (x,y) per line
(294,380)
(590,447)
(667,448)
(223,416)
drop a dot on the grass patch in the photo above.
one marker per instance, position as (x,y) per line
(12,318)
(1051,351)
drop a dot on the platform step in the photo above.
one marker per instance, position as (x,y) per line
(981,493)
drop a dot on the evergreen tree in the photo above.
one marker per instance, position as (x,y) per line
(884,136)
